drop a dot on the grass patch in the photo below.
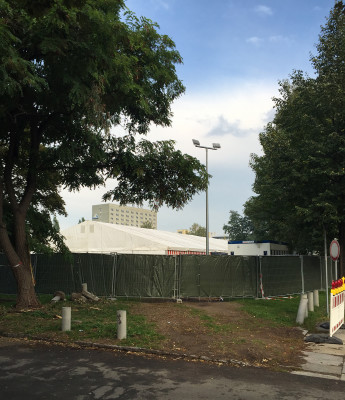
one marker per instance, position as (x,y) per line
(90,322)
(211,322)
(97,321)
(283,311)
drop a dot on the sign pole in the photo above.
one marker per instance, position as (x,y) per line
(336,270)
(334,252)
(326,271)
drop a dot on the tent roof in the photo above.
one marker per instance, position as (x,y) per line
(102,237)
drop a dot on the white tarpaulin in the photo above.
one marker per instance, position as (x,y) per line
(101,237)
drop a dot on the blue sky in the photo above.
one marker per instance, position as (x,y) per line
(234,53)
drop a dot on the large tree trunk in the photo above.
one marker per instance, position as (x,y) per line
(16,248)
(19,260)
(26,295)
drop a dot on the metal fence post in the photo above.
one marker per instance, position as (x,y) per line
(257,276)
(113,283)
(302,274)
(320,272)
(179,277)
(260,278)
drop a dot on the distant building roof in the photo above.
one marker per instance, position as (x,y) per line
(102,237)
(255,241)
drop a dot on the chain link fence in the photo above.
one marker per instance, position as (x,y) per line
(182,276)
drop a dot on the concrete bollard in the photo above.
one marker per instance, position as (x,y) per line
(316,298)
(121,324)
(310,301)
(84,287)
(305,297)
(66,319)
(302,309)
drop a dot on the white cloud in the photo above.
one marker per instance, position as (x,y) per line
(254,40)
(280,39)
(239,113)
(224,127)
(274,39)
(161,4)
(234,114)
(263,10)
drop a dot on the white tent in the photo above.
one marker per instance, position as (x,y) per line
(101,237)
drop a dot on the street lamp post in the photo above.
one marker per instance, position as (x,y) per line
(215,146)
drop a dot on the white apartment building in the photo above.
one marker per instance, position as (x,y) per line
(123,215)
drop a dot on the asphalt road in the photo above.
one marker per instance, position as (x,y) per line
(38,371)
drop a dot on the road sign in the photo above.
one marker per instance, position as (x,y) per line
(334,250)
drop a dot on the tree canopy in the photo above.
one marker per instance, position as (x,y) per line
(147,225)
(197,230)
(300,178)
(239,227)
(71,71)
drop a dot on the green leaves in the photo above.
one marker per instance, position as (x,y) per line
(239,227)
(71,71)
(300,179)
(197,230)
(157,173)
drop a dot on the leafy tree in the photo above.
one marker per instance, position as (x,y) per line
(239,227)
(82,219)
(288,176)
(147,225)
(71,71)
(197,230)
(300,179)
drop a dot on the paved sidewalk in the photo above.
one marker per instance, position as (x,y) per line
(325,360)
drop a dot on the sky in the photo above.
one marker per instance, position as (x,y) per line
(234,54)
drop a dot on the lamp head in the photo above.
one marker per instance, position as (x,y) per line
(216,146)
(196,142)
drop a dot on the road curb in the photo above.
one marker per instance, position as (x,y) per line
(129,349)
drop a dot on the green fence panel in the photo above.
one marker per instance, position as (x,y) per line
(330,271)
(281,275)
(145,276)
(215,278)
(7,282)
(97,271)
(243,276)
(312,273)
(187,276)
(218,276)
(52,273)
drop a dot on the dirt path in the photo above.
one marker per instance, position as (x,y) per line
(223,331)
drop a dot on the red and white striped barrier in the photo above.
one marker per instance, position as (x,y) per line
(337,309)
(178,252)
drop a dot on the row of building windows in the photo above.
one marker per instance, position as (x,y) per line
(129,212)
(122,219)
(137,217)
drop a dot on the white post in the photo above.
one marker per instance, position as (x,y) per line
(310,301)
(121,324)
(316,298)
(305,296)
(302,309)
(84,287)
(66,319)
